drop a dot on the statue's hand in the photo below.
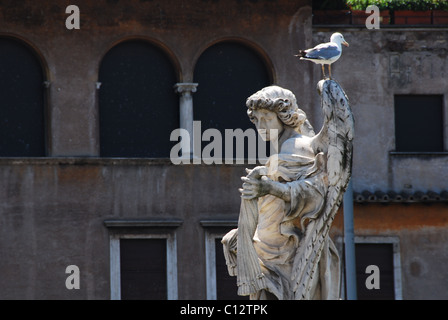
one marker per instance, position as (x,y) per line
(255,187)
(257,172)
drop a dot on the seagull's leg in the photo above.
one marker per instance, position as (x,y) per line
(323,70)
(329,70)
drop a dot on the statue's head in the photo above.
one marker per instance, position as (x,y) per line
(284,104)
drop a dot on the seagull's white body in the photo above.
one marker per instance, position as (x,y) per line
(319,59)
(325,53)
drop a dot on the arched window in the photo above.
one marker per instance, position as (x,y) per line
(227,74)
(22,125)
(138,107)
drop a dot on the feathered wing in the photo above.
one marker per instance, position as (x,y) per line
(323,51)
(335,142)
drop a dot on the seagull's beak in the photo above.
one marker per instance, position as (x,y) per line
(345,43)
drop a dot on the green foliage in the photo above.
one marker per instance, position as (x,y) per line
(415,5)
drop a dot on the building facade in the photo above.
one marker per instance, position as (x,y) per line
(87,116)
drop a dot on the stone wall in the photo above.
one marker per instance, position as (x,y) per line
(377,65)
(53,213)
(184,29)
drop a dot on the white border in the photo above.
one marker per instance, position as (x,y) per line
(210,262)
(171,261)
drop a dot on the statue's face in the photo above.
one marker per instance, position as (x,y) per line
(268,122)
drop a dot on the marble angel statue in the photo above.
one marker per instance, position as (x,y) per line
(281,248)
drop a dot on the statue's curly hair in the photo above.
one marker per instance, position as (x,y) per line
(284,104)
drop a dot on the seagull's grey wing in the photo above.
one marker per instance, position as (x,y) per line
(324,51)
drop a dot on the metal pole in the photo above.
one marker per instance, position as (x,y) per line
(349,240)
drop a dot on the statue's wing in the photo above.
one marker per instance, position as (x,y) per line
(335,141)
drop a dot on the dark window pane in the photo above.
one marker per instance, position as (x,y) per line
(227,74)
(22,129)
(225,285)
(419,123)
(380,255)
(143,269)
(137,103)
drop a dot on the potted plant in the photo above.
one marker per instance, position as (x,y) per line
(400,12)
(406,12)
(359,15)
(440,17)
(412,12)
(440,13)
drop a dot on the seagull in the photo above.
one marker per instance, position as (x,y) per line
(325,53)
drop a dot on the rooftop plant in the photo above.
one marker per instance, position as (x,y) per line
(414,5)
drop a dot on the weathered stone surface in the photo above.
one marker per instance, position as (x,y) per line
(288,205)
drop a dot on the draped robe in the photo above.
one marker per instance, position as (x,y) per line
(281,224)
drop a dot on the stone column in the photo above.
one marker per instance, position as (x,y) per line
(185,91)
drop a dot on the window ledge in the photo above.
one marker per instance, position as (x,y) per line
(82,161)
(418,154)
(106,161)
(214,223)
(388,27)
(142,223)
